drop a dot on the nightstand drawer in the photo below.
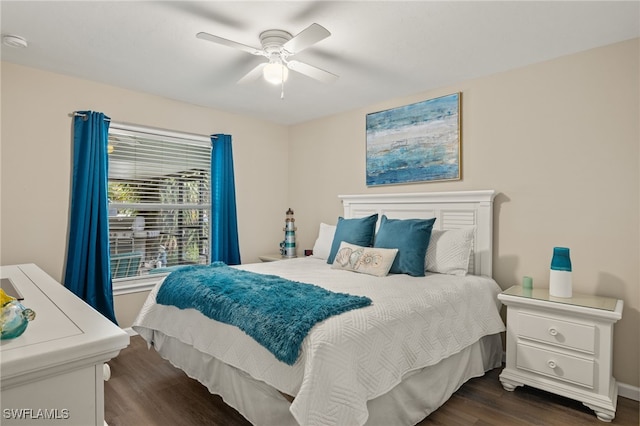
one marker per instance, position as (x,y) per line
(565,334)
(556,365)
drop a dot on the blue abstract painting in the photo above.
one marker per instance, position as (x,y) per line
(414,143)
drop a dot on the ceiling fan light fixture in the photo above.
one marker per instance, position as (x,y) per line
(278,46)
(275,73)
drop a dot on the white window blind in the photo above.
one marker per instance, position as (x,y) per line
(159,201)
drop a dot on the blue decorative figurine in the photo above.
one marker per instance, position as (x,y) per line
(14,317)
(288,246)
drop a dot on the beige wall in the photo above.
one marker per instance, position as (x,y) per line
(36,164)
(559,141)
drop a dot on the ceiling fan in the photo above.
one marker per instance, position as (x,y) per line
(278,46)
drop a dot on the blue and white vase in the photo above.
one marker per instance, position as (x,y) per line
(560,274)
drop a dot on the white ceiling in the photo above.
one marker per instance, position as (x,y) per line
(380,50)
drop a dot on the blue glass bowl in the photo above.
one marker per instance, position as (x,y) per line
(14,319)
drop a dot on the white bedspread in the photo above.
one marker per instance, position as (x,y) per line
(351,358)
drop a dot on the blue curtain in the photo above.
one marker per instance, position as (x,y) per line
(87,272)
(224,220)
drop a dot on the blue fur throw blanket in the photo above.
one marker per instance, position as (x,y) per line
(276,312)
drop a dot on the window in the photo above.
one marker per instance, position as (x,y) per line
(159,200)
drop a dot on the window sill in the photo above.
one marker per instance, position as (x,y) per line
(137,284)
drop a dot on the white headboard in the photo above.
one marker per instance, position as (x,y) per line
(452,210)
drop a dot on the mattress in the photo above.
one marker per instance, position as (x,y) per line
(349,359)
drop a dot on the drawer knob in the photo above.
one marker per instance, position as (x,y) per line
(553,331)
(106,372)
(551,363)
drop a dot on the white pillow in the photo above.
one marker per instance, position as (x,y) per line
(449,251)
(366,260)
(322,247)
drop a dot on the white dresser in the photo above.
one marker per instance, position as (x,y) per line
(53,372)
(562,345)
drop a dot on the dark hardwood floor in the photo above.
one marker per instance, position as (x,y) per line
(146,390)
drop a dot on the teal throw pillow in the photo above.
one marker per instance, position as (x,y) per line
(353,231)
(411,238)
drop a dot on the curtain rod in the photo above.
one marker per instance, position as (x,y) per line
(155,130)
(79,114)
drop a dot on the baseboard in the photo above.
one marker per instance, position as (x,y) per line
(628,391)
(130,331)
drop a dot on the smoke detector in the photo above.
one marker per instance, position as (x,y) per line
(14,41)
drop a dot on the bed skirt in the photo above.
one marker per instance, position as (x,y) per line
(420,393)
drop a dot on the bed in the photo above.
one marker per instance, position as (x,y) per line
(392,362)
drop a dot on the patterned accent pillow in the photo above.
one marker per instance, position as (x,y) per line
(449,251)
(366,260)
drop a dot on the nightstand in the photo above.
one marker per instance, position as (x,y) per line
(563,346)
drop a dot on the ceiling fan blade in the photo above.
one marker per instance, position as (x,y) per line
(229,43)
(252,75)
(313,72)
(307,37)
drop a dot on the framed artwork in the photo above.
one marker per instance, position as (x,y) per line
(414,143)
